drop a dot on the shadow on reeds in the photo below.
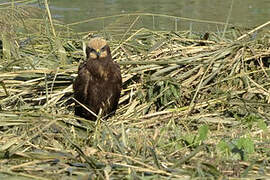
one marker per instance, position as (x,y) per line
(190,103)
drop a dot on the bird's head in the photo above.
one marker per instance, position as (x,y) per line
(97,48)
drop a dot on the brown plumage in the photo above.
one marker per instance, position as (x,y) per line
(98,84)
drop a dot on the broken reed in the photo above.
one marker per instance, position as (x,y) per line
(160,71)
(173,82)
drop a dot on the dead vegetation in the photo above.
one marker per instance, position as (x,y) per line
(191,106)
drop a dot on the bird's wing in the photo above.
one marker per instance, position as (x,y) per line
(80,85)
(117,74)
(117,86)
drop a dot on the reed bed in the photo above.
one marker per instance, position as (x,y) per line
(193,105)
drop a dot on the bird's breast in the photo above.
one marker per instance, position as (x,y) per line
(99,70)
(103,73)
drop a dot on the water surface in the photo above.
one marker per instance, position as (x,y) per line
(247,13)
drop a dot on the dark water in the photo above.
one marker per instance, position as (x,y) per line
(247,13)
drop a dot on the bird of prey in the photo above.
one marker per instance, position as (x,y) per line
(98,84)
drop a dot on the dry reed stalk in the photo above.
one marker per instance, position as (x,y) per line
(221,84)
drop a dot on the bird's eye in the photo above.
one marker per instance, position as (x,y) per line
(103,49)
(88,51)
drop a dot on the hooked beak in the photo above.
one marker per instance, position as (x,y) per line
(98,53)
